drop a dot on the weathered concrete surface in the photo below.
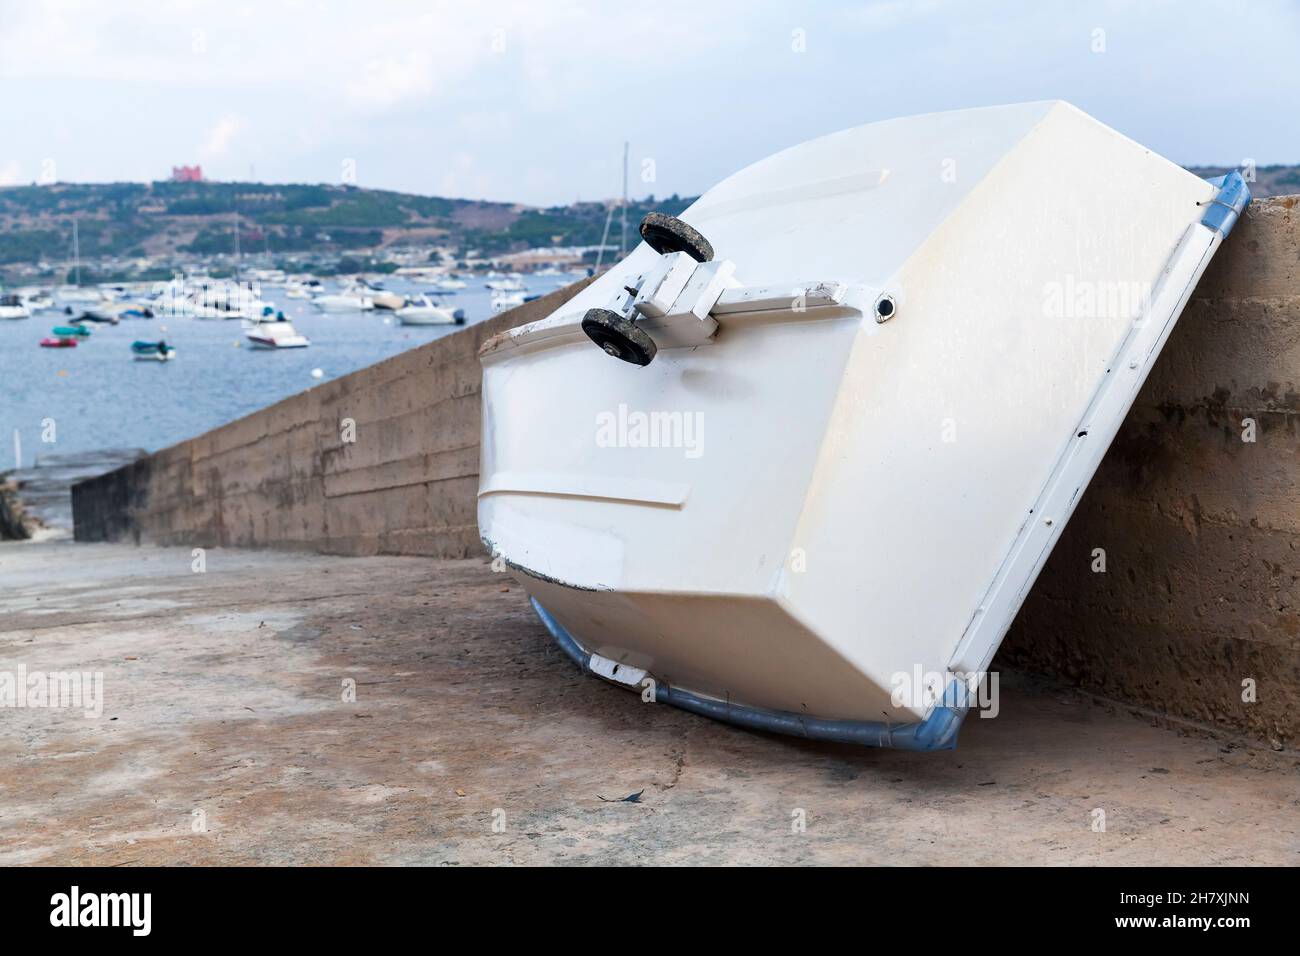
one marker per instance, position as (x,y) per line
(286,476)
(223,696)
(1201,530)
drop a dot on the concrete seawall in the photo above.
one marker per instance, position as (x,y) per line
(1200,529)
(1200,526)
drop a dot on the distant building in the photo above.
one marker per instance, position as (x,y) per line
(187,174)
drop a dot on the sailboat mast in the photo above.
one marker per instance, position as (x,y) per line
(622,242)
(237,256)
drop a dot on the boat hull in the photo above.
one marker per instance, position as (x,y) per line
(296,342)
(833,514)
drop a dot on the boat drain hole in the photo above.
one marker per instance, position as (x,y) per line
(885,308)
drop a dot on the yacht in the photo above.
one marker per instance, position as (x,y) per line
(276,333)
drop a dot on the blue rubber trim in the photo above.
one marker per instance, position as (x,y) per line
(937,732)
(1222,212)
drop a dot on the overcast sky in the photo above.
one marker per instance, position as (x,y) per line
(532,101)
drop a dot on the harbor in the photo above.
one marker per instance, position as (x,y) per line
(88,397)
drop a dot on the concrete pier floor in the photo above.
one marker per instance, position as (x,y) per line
(225,739)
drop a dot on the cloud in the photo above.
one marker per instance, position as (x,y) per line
(386,82)
(216,141)
(543,95)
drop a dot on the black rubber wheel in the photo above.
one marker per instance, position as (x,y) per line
(669,234)
(619,336)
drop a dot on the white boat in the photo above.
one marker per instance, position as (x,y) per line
(387,301)
(423,311)
(277,333)
(76,295)
(13,307)
(203,297)
(503,301)
(870,395)
(451,284)
(508,284)
(353,297)
(342,302)
(302,287)
(38,300)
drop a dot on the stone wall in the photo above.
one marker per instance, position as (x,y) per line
(1200,528)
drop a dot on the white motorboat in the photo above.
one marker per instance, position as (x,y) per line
(863,384)
(38,300)
(302,287)
(508,284)
(503,301)
(423,311)
(386,301)
(12,306)
(351,299)
(451,284)
(342,302)
(276,333)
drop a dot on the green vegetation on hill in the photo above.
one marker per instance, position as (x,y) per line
(164,219)
(128,220)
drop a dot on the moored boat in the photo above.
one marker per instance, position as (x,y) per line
(383,300)
(343,302)
(503,301)
(13,307)
(152,351)
(423,311)
(276,333)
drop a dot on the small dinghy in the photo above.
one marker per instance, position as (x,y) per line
(795,462)
(424,311)
(152,351)
(277,333)
(70,331)
(61,342)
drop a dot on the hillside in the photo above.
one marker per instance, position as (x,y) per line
(164,220)
(169,222)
